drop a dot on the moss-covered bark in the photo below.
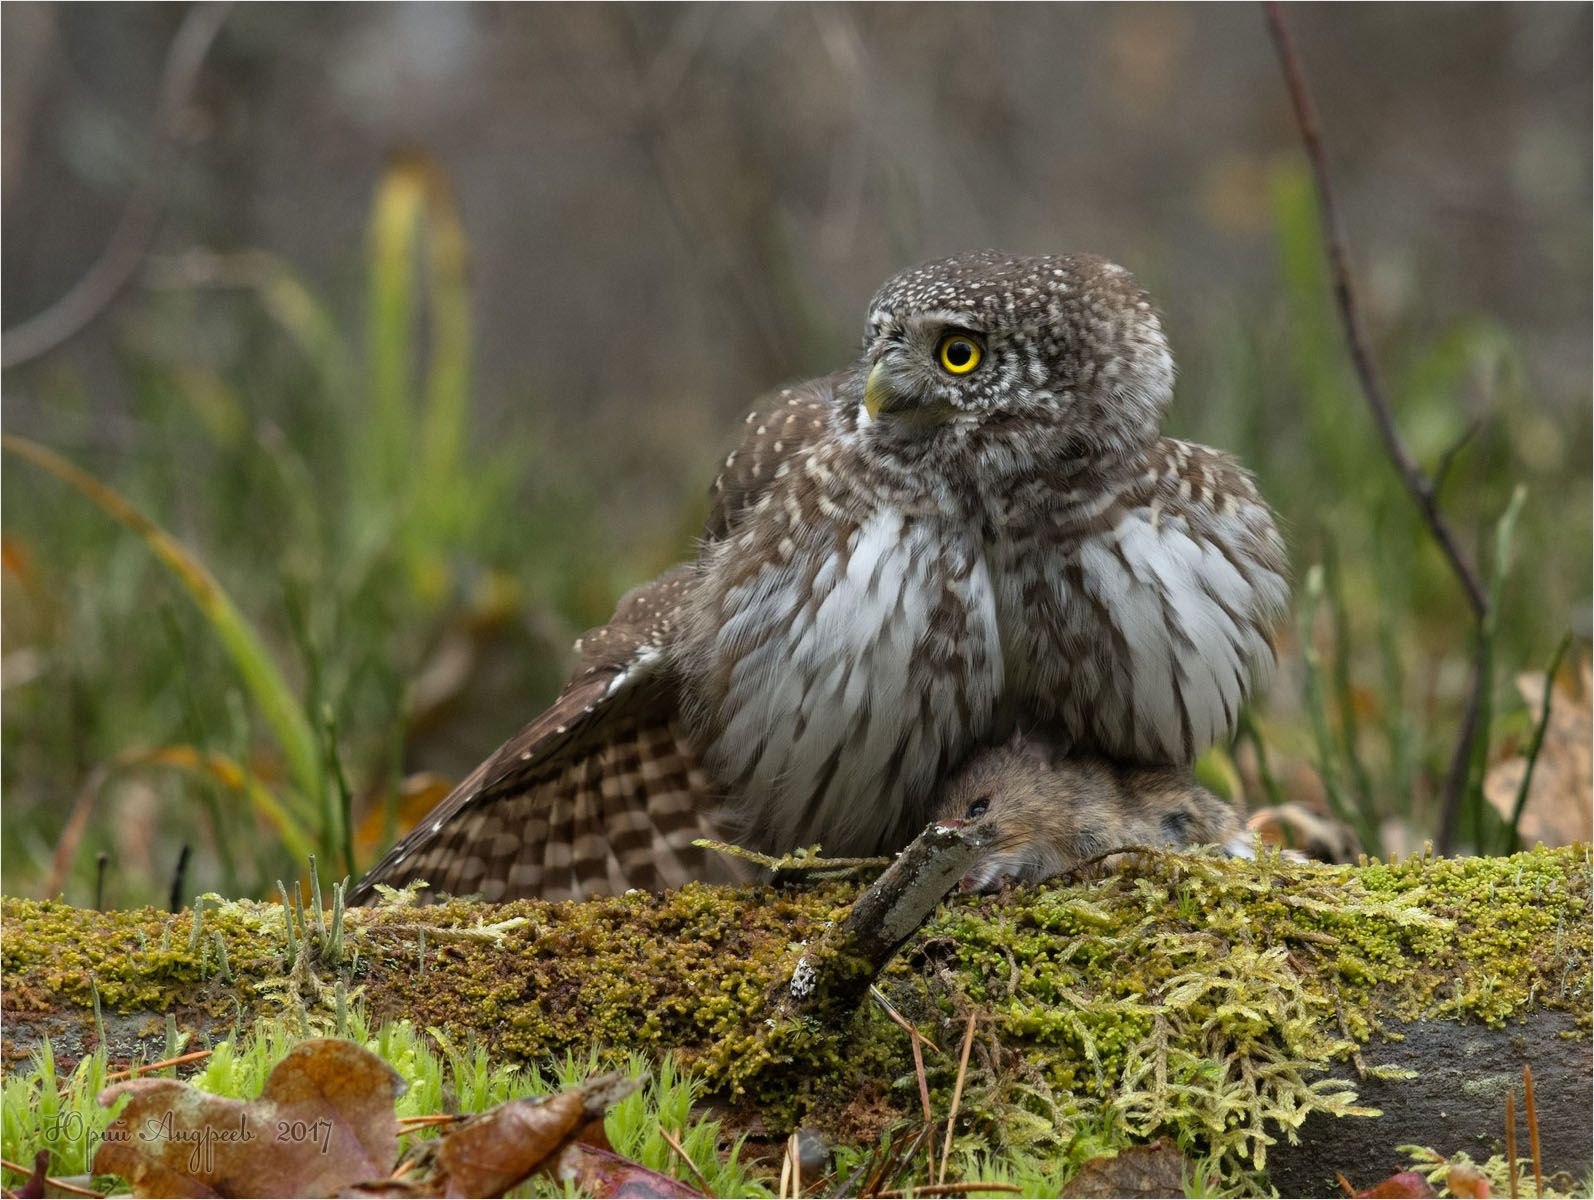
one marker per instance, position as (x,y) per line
(1208,999)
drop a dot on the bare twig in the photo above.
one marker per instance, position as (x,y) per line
(1422,489)
(192,1056)
(957,1098)
(1418,484)
(1448,458)
(174,899)
(914,1040)
(427,1120)
(854,950)
(141,217)
(675,1144)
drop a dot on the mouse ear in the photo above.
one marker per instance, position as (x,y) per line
(1037,747)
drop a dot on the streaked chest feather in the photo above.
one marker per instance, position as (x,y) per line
(846,698)
(1145,639)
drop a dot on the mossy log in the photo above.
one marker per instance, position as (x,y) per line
(1231,1005)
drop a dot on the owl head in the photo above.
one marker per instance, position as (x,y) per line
(986,337)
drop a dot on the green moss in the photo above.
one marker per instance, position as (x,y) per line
(1208,1000)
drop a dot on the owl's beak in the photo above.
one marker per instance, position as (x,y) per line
(878,393)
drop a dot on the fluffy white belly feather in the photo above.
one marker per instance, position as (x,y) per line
(846,703)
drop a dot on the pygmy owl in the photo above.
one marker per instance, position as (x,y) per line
(974,528)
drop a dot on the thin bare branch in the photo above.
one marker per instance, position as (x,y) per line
(1417,484)
(1422,489)
(957,1097)
(141,217)
(675,1145)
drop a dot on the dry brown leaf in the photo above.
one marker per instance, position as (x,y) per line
(598,1172)
(1137,1171)
(1408,1185)
(323,1121)
(491,1153)
(1558,810)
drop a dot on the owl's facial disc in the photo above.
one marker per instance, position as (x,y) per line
(1071,340)
(928,369)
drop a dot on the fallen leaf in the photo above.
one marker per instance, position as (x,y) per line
(1137,1171)
(324,1120)
(491,1153)
(1557,812)
(596,1172)
(1408,1185)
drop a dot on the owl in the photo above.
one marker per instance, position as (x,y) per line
(975,528)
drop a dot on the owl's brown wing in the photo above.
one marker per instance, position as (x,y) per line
(600,793)
(781,426)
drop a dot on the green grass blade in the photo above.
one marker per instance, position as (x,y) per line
(261,677)
(1349,726)
(1479,809)
(1536,745)
(443,424)
(395,218)
(1264,770)
(228,772)
(1327,750)
(1394,606)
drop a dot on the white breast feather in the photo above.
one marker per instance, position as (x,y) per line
(839,675)
(1173,603)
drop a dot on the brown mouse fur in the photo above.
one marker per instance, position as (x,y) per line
(1052,811)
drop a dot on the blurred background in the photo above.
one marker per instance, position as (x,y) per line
(437,319)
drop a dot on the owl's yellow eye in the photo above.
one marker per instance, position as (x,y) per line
(959,353)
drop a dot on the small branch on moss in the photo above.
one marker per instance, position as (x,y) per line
(887,913)
(1422,489)
(953,1189)
(806,861)
(59,1185)
(177,1061)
